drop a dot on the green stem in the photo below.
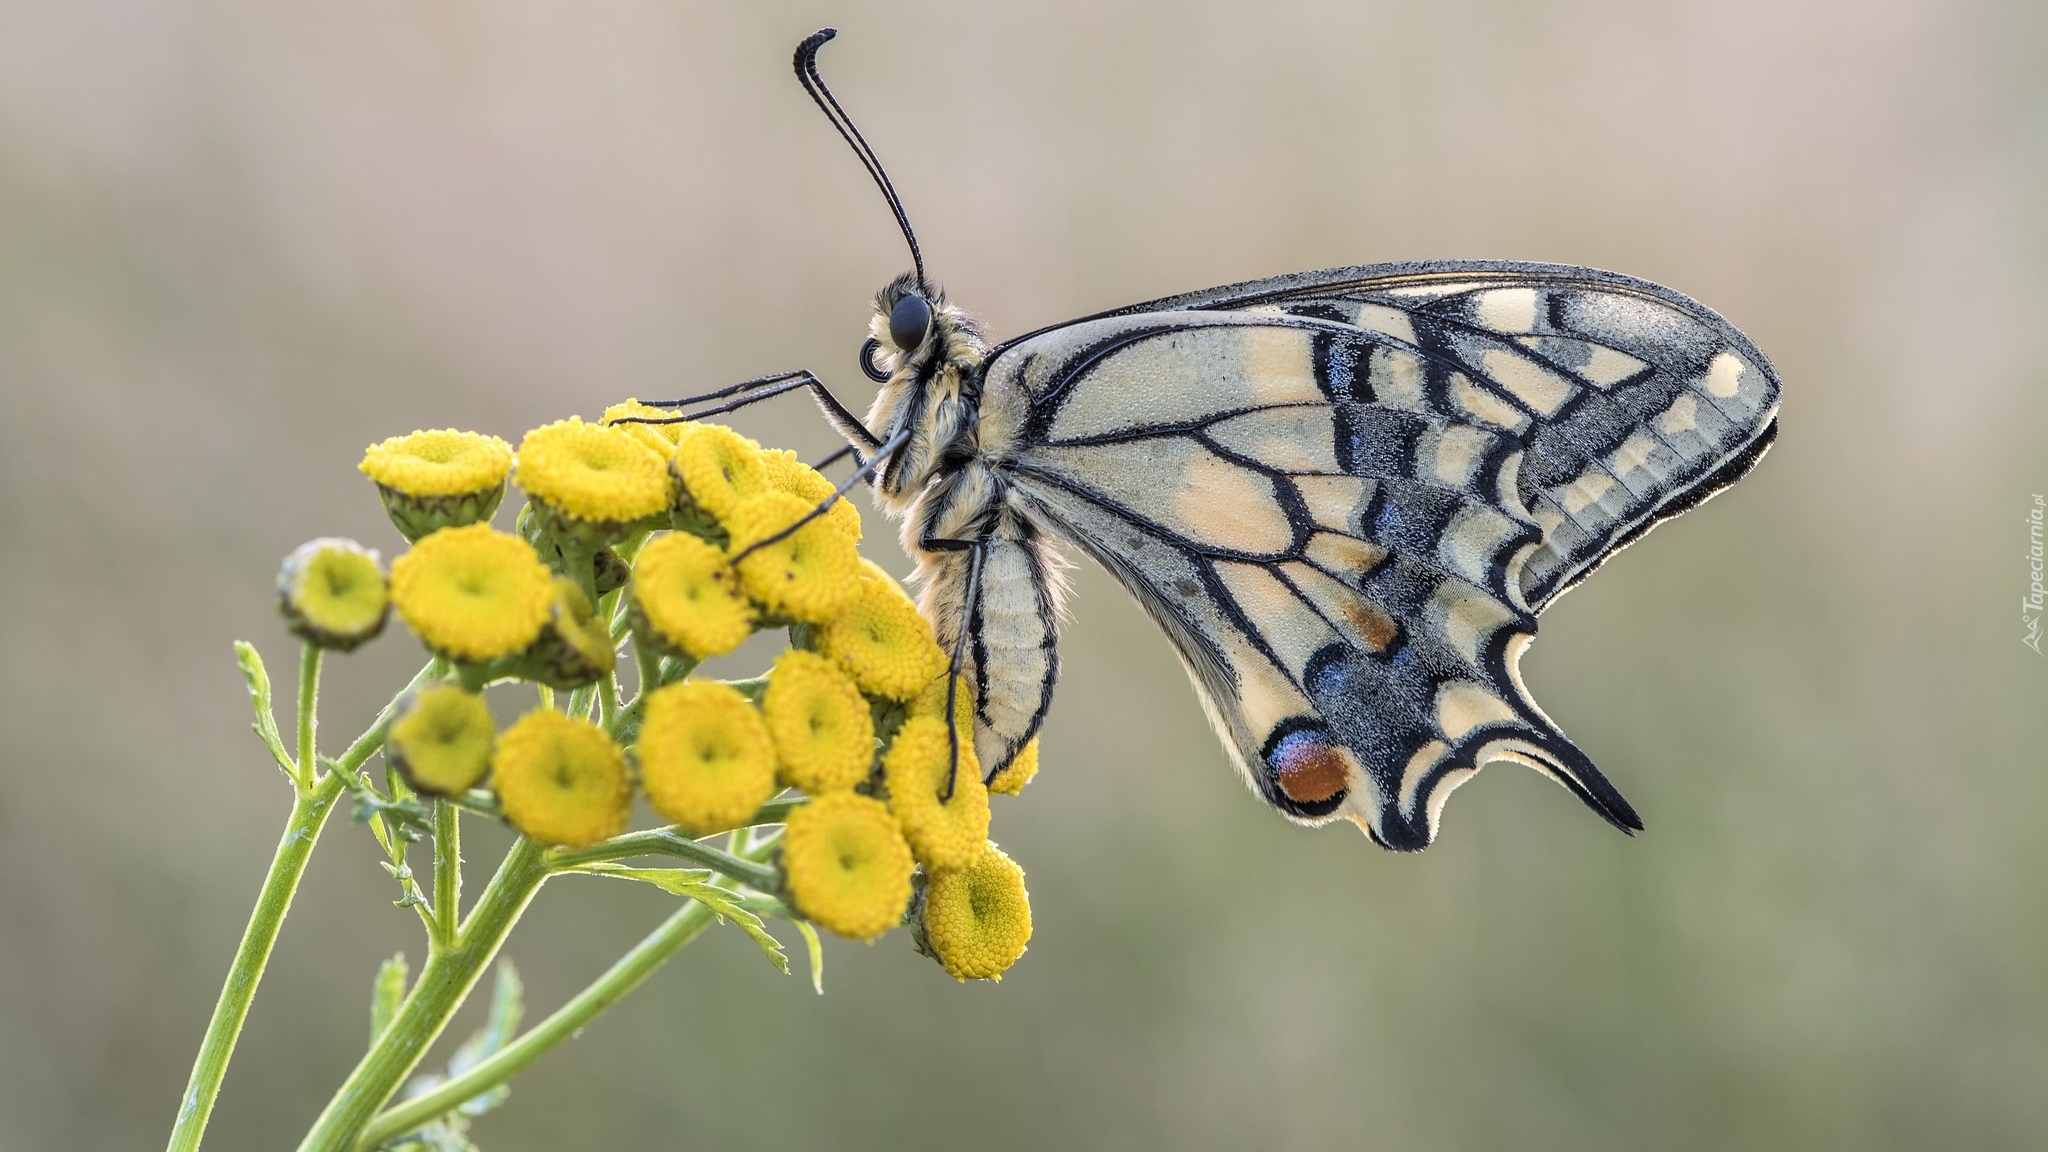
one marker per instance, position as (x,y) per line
(310,809)
(309,721)
(667,842)
(444,982)
(311,805)
(447,873)
(629,973)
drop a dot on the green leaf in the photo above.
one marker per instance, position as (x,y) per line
(508,1004)
(258,679)
(386,994)
(694,884)
(817,954)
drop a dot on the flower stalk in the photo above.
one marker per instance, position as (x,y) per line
(310,809)
(445,981)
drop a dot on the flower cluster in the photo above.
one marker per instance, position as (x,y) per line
(662,544)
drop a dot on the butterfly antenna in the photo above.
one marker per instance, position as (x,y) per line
(807,74)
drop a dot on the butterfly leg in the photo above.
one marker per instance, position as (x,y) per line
(866,469)
(761,388)
(977,551)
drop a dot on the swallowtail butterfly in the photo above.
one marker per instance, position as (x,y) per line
(1345,496)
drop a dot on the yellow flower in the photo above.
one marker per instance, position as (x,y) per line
(719,470)
(660,437)
(1012,779)
(439,479)
(823,732)
(788,474)
(575,649)
(881,640)
(592,473)
(686,598)
(473,593)
(561,780)
(706,760)
(943,834)
(333,594)
(976,921)
(846,865)
(809,575)
(441,740)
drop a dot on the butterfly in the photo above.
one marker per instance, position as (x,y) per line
(1345,496)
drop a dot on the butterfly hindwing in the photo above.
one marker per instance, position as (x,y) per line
(1345,496)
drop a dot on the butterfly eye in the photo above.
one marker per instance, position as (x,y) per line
(908,321)
(868,367)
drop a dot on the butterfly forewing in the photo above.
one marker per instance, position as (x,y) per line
(1345,495)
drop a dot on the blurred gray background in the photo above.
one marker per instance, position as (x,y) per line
(239,241)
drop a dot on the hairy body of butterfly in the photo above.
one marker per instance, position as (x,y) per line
(1344,495)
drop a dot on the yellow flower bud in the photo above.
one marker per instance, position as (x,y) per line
(575,648)
(881,639)
(706,759)
(333,594)
(561,780)
(440,740)
(473,594)
(809,575)
(945,833)
(846,865)
(685,599)
(592,482)
(975,921)
(439,479)
(824,734)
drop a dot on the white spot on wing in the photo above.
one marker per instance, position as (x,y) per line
(1482,403)
(1391,321)
(1507,310)
(1534,385)
(1333,501)
(1458,448)
(1681,417)
(1724,375)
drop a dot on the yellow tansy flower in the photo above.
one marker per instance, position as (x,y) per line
(718,469)
(575,648)
(594,474)
(881,639)
(561,780)
(1012,779)
(942,834)
(788,474)
(846,865)
(333,594)
(441,740)
(439,479)
(810,575)
(824,734)
(473,593)
(686,598)
(660,437)
(706,759)
(976,921)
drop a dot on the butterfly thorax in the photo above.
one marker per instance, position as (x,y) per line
(932,391)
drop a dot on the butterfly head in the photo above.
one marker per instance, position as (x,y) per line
(926,354)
